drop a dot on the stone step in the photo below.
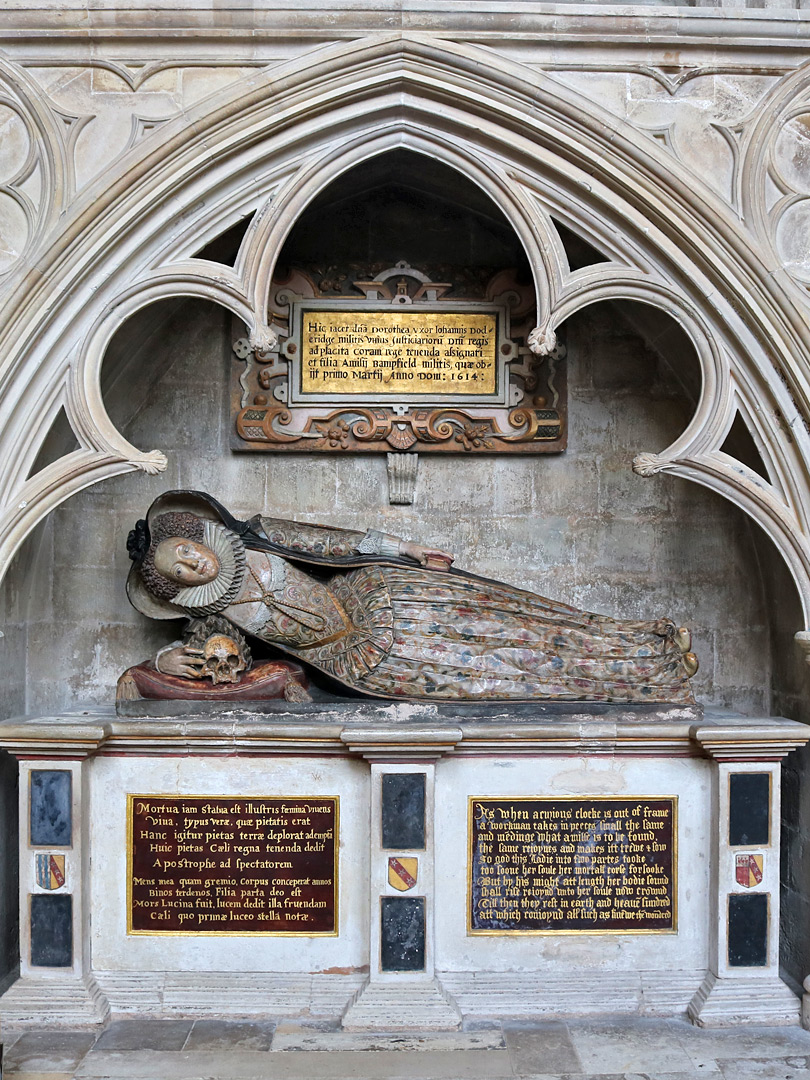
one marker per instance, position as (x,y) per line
(729,1002)
(73,1001)
(402,1006)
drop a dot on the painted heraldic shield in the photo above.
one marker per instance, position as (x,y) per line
(402,872)
(50,871)
(749,870)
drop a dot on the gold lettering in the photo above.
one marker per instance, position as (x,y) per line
(564,863)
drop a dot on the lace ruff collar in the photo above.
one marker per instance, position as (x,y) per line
(217,594)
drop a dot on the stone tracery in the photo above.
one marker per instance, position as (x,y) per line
(566,161)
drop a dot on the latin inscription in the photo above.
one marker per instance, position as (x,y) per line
(398,352)
(546,865)
(210,864)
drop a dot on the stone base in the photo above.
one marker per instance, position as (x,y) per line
(549,994)
(223,993)
(745,1000)
(402,1006)
(77,1002)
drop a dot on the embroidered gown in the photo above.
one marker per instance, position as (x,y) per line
(393,630)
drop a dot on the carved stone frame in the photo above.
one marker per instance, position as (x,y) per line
(525,414)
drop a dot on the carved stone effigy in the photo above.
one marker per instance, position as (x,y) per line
(387,618)
(210,846)
(681,860)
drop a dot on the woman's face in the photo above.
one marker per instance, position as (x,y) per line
(185,561)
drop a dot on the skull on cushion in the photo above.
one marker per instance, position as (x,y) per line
(223,659)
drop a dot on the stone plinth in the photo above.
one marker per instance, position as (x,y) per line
(406,950)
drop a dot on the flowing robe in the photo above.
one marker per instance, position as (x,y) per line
(389,629)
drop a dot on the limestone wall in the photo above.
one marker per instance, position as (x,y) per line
(581,526)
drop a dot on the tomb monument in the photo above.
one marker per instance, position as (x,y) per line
(357,776)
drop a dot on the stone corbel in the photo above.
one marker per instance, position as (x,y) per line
(263,340)
(542,340)
(403,470)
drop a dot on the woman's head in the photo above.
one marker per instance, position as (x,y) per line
(188,557)
(177,557)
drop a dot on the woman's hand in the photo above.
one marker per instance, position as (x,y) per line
(431,558)
(182,661)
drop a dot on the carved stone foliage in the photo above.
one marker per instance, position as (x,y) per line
(272,414)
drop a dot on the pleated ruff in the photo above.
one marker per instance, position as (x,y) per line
(448,637)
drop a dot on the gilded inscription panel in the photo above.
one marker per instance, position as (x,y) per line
(388,359)
(226,865)
(398,352)
(568,865)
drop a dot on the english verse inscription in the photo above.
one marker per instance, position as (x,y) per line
(210,864)
(563,865)
(398,352)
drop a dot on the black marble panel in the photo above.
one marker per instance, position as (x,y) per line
(51,930)
(749,800)
(51,824)
(402,933)
(748,930)
(403,810)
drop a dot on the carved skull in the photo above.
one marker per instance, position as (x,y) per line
(223,659)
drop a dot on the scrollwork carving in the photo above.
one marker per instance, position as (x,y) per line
(522,409)
(353,428)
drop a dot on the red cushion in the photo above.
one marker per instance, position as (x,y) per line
(264,681)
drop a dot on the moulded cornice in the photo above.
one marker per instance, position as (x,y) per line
(406,732)
(76,23)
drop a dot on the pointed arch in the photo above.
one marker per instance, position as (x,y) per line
(272,141)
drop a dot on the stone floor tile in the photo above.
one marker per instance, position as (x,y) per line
(144,1034)
(541,1047)
(471,1023)
(246,1065)
(772,1069)
(394,1065)
(709,1047)
(38,1075)
(176,1065)
(629,1046)
(48,1051)
(599,1076)
(230,1035)
(341,1041)
(296,1026)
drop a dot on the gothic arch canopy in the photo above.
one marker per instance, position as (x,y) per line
(271,141)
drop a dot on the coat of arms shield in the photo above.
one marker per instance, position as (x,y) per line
(50,871)
(749,870)
(402,872)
